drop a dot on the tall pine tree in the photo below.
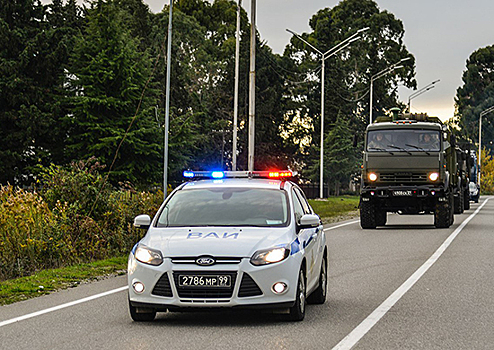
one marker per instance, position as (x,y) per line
(107,75)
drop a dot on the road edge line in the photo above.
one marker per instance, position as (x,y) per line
(62,306)
(370,321)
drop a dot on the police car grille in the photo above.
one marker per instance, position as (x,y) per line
(403,177)
(162,287)
(205,292)
(248,287)
(218,260)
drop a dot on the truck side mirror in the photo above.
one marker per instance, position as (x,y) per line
(453,141)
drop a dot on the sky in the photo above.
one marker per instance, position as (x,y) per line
(441,34)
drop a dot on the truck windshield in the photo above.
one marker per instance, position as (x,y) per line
(225,207)
(403,140)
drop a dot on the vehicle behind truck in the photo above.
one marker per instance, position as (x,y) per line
(409,167)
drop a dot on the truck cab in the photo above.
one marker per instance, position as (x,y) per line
(409,167)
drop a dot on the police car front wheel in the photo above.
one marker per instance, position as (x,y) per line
(297,311)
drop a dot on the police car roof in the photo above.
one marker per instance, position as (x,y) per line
(235,182)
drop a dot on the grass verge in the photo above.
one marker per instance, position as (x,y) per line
(47,281)
(44,282)
(335,209)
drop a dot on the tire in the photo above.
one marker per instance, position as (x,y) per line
(381,217)
(443,213)
(141,316)
(367,215)
(297,311)
(318,296)
(466,199)
(457,203)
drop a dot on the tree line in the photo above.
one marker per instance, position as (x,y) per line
(77,80)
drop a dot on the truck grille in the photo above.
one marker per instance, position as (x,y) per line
(403,177)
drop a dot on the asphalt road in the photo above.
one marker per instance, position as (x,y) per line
(389,288)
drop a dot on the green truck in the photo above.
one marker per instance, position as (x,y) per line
(411,166)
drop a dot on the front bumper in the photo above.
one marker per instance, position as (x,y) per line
(409,199)
(242,294)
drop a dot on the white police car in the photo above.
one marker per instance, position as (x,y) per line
(239,239)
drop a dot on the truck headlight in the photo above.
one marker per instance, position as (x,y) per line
(372,177)
(148,255)
(269,256)
(433,176)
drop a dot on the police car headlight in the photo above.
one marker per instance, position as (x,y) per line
(148,255)
(269,256)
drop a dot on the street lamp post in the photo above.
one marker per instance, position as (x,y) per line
(167,103)
(484,112)
(235,97)
(420,92)
(333,51)
(380,75)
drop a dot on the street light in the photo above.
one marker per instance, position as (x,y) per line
(333,51)
(380,75)
(484,112)
(420,92)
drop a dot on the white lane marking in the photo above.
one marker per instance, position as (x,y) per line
(354,336)
(62,306)
(338,226)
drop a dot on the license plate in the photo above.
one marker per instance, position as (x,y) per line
(402,193)
(217,281)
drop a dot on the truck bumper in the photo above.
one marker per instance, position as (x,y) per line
(404,199)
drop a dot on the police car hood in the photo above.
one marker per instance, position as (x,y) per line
(216,241)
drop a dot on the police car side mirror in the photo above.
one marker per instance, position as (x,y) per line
(309,221)
(142,221)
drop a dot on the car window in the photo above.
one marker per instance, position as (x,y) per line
(297,207)
(303,201)
(225,207)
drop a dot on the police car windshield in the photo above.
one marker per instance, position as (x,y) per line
(403,140)
(225,207)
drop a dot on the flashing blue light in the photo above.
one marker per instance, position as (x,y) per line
(188,174)
(217,174)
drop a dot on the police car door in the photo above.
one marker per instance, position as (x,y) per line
(309,237)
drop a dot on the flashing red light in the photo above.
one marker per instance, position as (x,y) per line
(278,174)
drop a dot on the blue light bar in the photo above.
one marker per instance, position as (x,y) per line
(217,174)
(188,174)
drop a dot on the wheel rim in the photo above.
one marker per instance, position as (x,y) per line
(324,279)
(301,296)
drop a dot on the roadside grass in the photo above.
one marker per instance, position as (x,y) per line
(47,281)
(335,208)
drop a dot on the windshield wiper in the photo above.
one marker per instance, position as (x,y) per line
(381,150)
(400,148)
(419,148)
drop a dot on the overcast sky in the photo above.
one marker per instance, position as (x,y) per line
(441,34)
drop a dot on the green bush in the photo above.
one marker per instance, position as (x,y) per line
(72,218)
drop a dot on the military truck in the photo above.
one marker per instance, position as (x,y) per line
(409,167)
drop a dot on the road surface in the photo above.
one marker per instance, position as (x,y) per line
(403,286)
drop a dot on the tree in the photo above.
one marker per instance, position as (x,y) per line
(34,44)
(476,95)
(348,75)
(108,74)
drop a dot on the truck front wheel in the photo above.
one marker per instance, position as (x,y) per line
(381,217)
(368,215)
(443,213)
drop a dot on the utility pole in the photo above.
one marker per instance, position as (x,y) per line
(252,86)
(167,103)
(235,98)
